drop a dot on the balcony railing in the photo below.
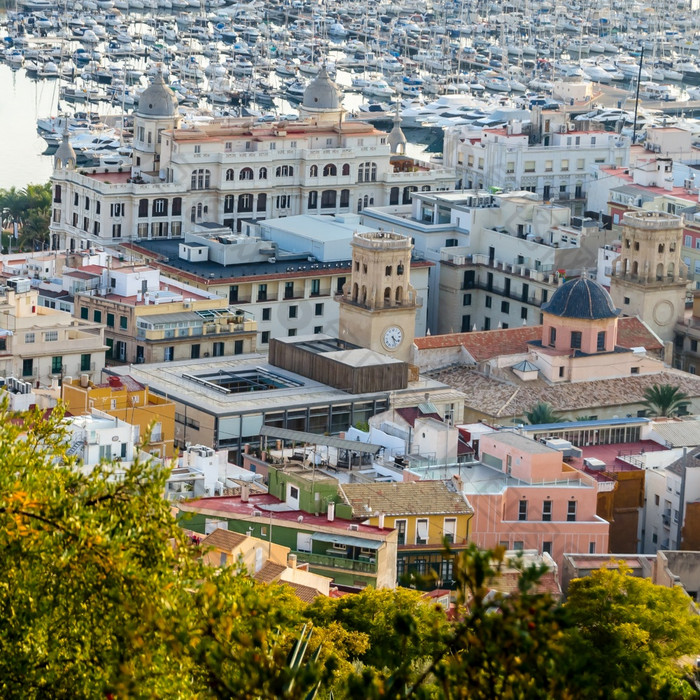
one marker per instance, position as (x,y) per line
(337,562)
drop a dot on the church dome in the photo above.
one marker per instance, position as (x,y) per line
(157,100)
(581,298)
(322,93)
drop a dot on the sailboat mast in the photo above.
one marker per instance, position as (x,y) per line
(636,99)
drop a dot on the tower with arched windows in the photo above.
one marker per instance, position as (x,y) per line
(378,305)
(155,112)
(649,279)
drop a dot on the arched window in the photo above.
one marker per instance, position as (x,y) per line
(659,271)
(313,171)
(246,174)
(354,291)
(245,202)
(373,173)
(328,199)
(407,193)
(193,214)
(284,171)
(229,175)
(228,204)
(262,202)
(262,174)
(635,268)
(387,271)
(399,269)
(387,295)
(200,179)
(425,188)
(346,168)
(200,208)
(160,207)
(661,247)
(330,170)
(399,295)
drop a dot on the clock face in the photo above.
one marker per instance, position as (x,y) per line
(392,337)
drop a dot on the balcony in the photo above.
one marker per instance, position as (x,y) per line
(338,561)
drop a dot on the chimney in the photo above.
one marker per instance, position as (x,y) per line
(84,380)
(245,493)
(331,512)
(292,561)
(381,520)
(458,482)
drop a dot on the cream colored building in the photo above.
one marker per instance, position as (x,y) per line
(649,279)
(41,345)
(378,305)
(232,171)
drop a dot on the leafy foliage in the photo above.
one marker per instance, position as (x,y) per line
(541,413)
(30,209)
(102,596)
(665,399)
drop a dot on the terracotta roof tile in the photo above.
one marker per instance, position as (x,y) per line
(223,539)
(269,572)
(404,498)
(306,594)
(483,345)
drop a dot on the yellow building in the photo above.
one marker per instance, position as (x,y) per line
(425,514)
(128,400)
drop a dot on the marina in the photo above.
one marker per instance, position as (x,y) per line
(436,65)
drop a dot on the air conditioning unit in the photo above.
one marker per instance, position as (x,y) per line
(354,527)
(570,126)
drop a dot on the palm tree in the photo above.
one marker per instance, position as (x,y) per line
(541,413)
(665,399)
(35,232)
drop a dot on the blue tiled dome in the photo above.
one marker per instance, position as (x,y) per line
(581,298)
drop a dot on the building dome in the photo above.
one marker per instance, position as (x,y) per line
(322,93)
(65,155)
(157,100)
(581,298)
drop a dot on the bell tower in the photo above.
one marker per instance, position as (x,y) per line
(378,305)
(649,279)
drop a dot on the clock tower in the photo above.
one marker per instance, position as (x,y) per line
(378,305)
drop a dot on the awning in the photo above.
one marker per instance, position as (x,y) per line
(314,439)
(346,539)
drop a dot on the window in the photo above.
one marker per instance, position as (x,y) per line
(110,320)
(318,329)
(518,545)
(51,336)
(262,293)
(422,531)
(318,310)
(194,351)
(262,201)
(218,349)
(229,175)
(591,547)
(687,241)
(266,313)
(367,172)
(284,171)
(27,368)
(571,511)
(238,347)
(168,353)
(293,311)
(547,548)
(246,174)
(313,171)
(177,206)
(116,230)
(346,169)
(262,174)
(245,202)
(228,203)
(522,510)
(123,322)
(57,194)
(626,300)
(265,337)
(143,208)
(330,170)
(201,178)
(634,370)
(523,313)
(56,364)
(576,339)
(97,316)
(160,207)
(466,299)
(313,199)
(601,341)
(546,511)
(84,312)
(529,166)
(328,198)
(85,362)
(449,529)
(292,332)
(487,302)
(344,198)
(505,307)
(400,526)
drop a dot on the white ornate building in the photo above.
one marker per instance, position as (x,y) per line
(230,171)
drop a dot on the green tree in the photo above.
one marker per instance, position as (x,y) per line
(541,413)
(35,231)
(665,399)
(628,637)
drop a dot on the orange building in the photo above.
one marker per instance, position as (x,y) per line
(130,401)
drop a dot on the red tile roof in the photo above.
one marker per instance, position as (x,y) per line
(485,345)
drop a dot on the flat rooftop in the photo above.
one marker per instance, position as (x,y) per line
(323,228)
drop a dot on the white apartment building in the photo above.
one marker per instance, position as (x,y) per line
(233,171)
(283,274)
(548,157)
(100,437)
(498,257)
(41,345)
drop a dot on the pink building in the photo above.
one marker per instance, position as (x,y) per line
(525,497)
